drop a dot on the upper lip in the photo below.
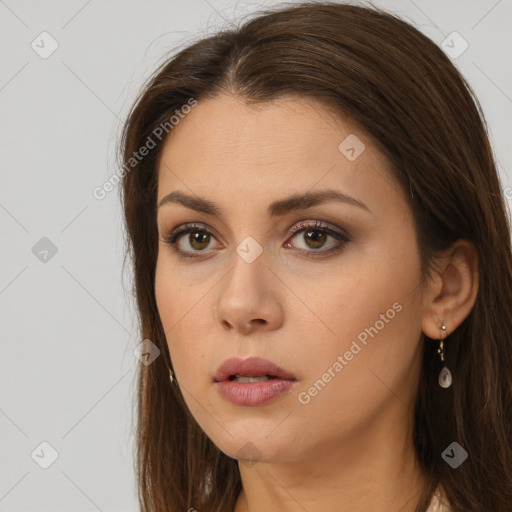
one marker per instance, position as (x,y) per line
(250,367)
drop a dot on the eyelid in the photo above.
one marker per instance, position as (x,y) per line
(320,225)
(183,228)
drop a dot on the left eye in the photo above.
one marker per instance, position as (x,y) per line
(315,236)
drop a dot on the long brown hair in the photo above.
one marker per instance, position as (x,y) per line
(409,97)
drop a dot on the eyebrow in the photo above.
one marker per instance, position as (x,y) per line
(275,209)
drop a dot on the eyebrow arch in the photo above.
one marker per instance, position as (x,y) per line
(275,209)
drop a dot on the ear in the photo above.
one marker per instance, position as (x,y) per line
(452,290)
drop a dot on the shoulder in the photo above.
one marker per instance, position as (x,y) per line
(439,503)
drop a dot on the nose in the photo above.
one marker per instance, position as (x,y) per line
(250,296)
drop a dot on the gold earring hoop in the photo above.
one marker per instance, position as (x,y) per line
(171,376)
(445,377)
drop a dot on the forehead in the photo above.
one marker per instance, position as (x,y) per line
(226,125)
(230,150)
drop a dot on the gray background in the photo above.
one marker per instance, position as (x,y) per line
(68,322)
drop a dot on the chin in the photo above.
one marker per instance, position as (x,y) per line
(251,446)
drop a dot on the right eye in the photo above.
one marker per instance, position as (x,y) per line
(198,240)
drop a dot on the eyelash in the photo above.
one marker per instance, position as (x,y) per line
(343,239)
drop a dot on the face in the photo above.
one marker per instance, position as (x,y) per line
(327,290)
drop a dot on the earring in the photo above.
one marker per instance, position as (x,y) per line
(171,376)
(445,376)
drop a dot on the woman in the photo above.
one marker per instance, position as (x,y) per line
(322,256)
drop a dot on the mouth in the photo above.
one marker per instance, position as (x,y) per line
(252,382)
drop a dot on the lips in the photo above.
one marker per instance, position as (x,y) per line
(252,382)
(250,367)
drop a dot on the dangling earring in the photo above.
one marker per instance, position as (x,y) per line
(445,376)
(171,376)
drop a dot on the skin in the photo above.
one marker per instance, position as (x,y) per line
(350,447)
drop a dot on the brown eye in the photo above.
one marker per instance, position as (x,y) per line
(315,239)
(199,240)
(316,235)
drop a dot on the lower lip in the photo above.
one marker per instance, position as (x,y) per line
(253,393)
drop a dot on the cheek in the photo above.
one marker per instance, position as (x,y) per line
(182,310)
(183,313)
(367,283)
